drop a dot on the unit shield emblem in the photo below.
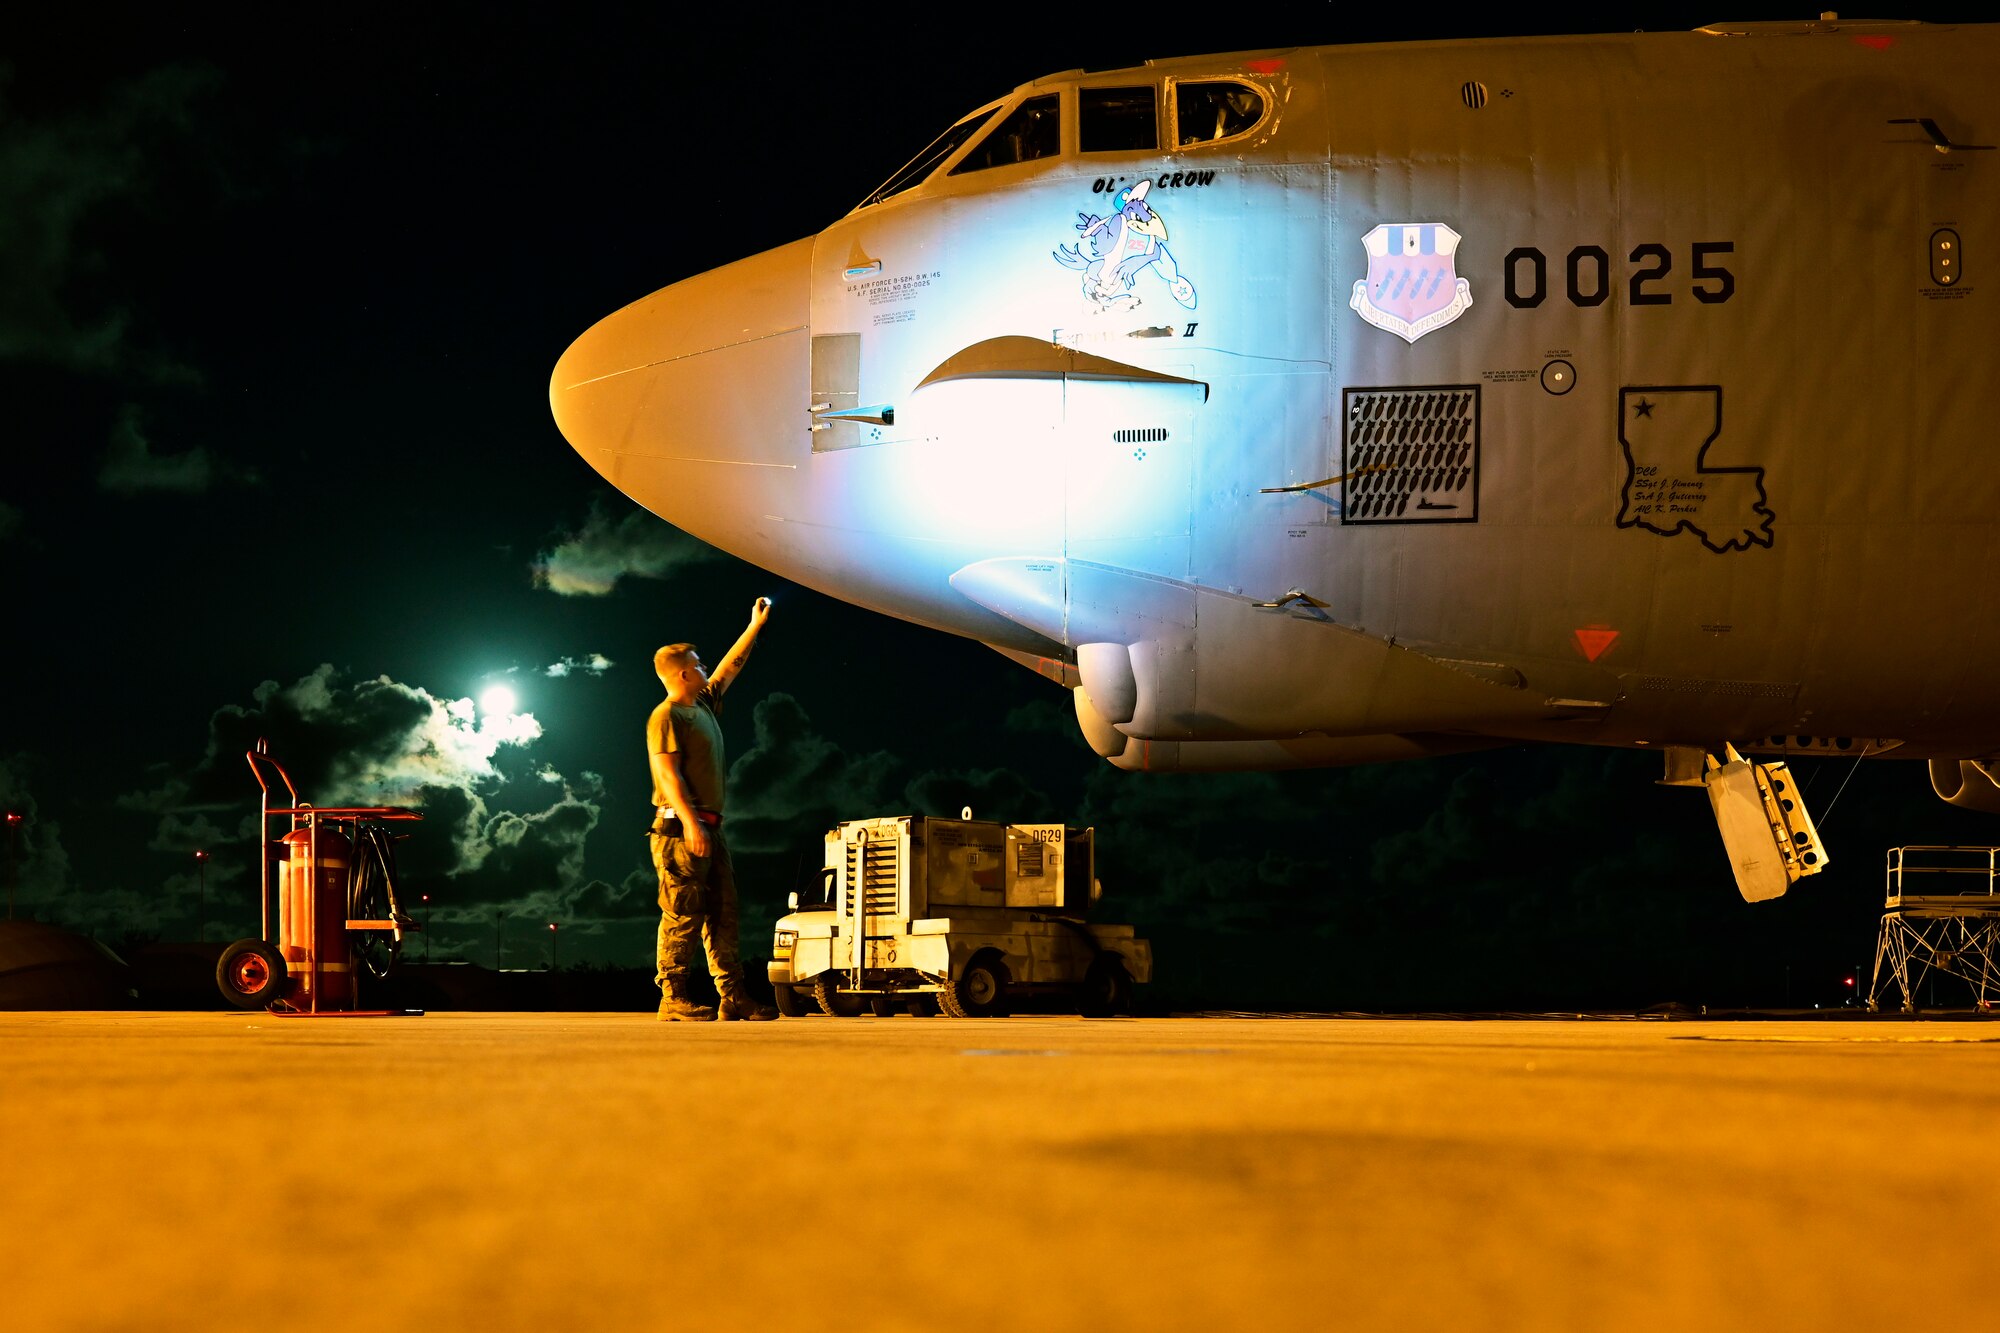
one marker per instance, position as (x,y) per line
(1411,287)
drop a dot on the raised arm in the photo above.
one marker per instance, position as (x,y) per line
(732,662)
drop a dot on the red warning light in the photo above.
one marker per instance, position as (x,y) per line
(1850,981)
(1595,641)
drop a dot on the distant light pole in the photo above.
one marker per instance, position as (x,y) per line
(499,955)
(13,858)
(552,946)
(201,900)
(427,929)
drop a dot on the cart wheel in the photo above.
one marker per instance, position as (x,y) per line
(921,1005)
(790,1003)
(831,1002)
(251,974)
(980,990)
(884,1006)
(1107,988)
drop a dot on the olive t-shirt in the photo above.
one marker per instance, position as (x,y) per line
(692,732)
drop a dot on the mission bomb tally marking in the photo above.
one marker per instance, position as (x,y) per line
(1412,287)
(1410,454)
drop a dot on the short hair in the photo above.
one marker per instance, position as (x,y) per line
(664,659)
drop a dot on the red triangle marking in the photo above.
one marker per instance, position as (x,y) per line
(1595,641)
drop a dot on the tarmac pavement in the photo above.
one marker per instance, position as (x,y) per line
(554,1171)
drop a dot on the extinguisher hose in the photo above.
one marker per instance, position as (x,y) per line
(371,895)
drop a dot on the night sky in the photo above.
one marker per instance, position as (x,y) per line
(278,308)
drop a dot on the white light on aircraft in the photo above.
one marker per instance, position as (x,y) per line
(497,701)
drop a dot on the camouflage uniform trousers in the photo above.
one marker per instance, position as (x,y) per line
(697,904)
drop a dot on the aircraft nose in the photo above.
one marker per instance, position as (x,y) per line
(676,394)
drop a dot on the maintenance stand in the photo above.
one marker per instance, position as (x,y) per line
(1942,915)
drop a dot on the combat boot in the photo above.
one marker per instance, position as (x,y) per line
(737,1005)
(674,1010)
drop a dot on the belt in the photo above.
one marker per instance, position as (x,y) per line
(669,815)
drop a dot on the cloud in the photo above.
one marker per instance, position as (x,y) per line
(1046,717)
(537,851)
(43,881)
(595,664)
(130,465)
(490,832)
(502,846)
(992,793)
(189,831)
(61,176)
(522,870)
(351,742)
(532,864)
(793,784)
(632,898)
(590,561)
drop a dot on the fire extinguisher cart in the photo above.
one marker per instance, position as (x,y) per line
(336,906)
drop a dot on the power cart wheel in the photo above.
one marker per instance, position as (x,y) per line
(790,1003)
(832,1003)
(884,1006)
(250,974)
(1107,988)
(980,991)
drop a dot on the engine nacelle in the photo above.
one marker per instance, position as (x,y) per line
(1965,783)
(1140,756)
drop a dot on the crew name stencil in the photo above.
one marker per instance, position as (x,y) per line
(1668,433)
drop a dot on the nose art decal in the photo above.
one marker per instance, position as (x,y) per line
(1115,249)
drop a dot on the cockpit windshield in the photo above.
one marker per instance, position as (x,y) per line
(1116,120)
(1206,112)
(924,163)
(1033,131)
(1111,120)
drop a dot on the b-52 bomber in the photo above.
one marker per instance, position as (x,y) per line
(1354,403)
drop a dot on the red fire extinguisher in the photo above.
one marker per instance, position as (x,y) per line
(312,919)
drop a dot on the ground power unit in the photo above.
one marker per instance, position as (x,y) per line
(915,913)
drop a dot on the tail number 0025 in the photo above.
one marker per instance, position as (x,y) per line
(1587,275)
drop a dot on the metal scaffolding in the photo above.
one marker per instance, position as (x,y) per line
(1953,929)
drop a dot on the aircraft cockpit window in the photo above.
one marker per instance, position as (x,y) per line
(1205,112)
(1116,120)
(924,163)
(1033,130)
